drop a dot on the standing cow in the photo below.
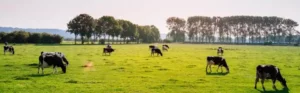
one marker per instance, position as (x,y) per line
(107,50)
(9,49)
(269,72)
(157,51)
(220,51)
(216,60)
(55,59)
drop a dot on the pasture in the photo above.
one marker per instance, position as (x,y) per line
(131,69)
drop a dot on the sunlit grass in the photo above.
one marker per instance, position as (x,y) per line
(131,69)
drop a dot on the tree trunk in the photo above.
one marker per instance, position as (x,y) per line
(82,40)
(104,38)
(75,39)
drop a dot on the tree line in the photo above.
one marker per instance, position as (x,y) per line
(109,29)
(233,29)
(27,37)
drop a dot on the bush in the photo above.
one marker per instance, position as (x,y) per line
(297,44)
(268,43)
(26,37)
(167,41)
(102,41)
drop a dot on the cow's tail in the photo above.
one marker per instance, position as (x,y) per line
(225,65)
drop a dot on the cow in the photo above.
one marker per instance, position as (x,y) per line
(9,49)
(165,47)
(269,72)
(216,60)
(157,51)
(107,50)
(220,51)
(55,59)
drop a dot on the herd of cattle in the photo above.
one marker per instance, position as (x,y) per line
(57,59)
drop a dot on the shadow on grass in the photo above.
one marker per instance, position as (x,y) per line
(34,65)
(220,74)
(38,75)
(284,90)
(28,77)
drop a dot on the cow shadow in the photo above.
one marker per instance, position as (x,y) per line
(33,65)
(217,73)
(38,75)
(284,90)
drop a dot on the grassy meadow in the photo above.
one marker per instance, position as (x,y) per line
(131,69)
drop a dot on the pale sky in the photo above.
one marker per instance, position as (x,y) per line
(57,13)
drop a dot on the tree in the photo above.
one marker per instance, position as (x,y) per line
(177,27)
(82,25)
(106,25)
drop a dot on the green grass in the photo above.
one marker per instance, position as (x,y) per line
(131,69)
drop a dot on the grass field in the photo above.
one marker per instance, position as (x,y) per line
(131,69)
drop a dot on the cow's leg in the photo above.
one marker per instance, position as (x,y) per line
(274,81)
(218,68)
(256,80)
(39,69)
(206,67)
(43,70)
(262,83)
(221,69)
(210,67)
(54,69)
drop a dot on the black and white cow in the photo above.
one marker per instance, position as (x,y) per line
(165,47)
(269,72)
(9,49)
(216,60)
(157,51)
(107,50)
(220,51)
(55,59)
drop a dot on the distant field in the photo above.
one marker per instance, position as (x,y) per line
(131,69)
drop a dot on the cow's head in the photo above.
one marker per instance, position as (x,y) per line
(283,82)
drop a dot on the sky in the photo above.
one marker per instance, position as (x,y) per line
(57,13)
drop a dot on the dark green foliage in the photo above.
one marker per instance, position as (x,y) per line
(108,29)
(26,37)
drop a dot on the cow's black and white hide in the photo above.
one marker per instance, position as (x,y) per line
(157,51)
(269,72)
(9,49)
(55,59)
(165,47)
(216,60)
(151,47)
(220,51)
(107,50)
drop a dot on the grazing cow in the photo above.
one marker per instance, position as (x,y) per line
(54,59)
(220,51)
(269,72)
(107,50)
(157,51)
(216,60)
(165,47)
(9,49)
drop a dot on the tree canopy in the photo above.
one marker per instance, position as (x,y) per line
(234,29)
(105,27)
